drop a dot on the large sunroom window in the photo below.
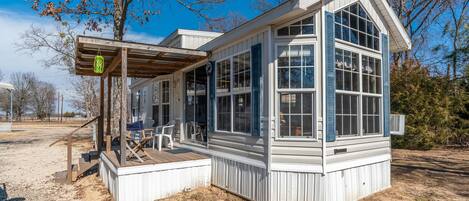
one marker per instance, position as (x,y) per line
(353,24)
(296,90)
(358,94)
(234,94)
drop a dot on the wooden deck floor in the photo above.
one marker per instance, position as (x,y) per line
(159,157)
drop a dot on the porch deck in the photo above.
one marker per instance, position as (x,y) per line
(159,157)
(168,173)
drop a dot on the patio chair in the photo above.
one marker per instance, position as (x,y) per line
(137,143)
(164,131)
(194,130)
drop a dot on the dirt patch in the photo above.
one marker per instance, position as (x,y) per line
(205,194)
(428,175)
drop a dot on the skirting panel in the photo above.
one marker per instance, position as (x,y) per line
(355,183)
(296,186)
(245,180)
(152,183)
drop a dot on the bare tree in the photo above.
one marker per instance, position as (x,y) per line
(100,14)
(42,99)
(231,21)
(23,83)
(265,5)
(85,96)
(417,16)
(1,75)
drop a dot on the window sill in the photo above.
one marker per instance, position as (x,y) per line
(358,137)
(299,139)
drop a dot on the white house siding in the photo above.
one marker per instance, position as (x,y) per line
(194,41)
(358,151)
(297,152)
(236,144)
(245,180)
(296,186)
(355,183)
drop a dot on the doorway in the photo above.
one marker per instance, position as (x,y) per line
(161,110)
(195,98)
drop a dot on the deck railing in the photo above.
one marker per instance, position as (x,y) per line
(69,140)
(397,124)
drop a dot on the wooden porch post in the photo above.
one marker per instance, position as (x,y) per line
(101,117)
(108,127)
(123,107)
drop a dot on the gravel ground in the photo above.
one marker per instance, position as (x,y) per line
(28,164)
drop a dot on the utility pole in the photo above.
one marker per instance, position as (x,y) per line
(62,109)
(58,105)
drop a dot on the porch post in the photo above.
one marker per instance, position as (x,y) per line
(123,107)
(108,127)
(101,116)
(11,106)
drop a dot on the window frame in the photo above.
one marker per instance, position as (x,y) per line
(369,53)
(314,91)
(358,45)
(289,23)
(232,92)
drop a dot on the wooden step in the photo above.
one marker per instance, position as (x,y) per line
(84,166)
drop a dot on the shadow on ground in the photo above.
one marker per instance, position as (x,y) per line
(4,194)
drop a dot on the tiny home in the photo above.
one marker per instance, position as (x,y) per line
(292,105)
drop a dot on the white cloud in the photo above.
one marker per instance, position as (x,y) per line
(15,24)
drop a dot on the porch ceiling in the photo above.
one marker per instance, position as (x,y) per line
(143,60)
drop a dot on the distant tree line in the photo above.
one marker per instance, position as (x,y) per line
(31,95)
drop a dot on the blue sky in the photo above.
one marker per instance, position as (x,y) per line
(16,16)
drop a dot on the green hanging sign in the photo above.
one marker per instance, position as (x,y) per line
(98,64)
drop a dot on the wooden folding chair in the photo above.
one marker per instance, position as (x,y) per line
(138,146)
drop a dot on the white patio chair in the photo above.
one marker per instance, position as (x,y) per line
(161,132)
(193,130)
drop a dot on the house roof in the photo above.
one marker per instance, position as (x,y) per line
(400,40)
(7,86)
(179,32)
(143,60)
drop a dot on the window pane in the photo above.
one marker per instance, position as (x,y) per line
(346,33)
(283,78)
(283,31)
(307,125)
(295,103)
(308,55)
(309,20)
(295,125)
(242,113)
(307,30)
(354,36)
(295,77)
(284,125)
(224,113)
(284,103)
(338,31)
(307,103)
(295,30)
(354,22)
(283,59)
(308,77)
(295,55)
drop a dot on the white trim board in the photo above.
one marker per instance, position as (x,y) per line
(232,157)
(295,167)
(154,167)
(332,167)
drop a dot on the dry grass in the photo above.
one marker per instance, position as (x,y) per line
(441,174)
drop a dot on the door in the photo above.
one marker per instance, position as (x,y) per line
(161,109)
(196,105)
